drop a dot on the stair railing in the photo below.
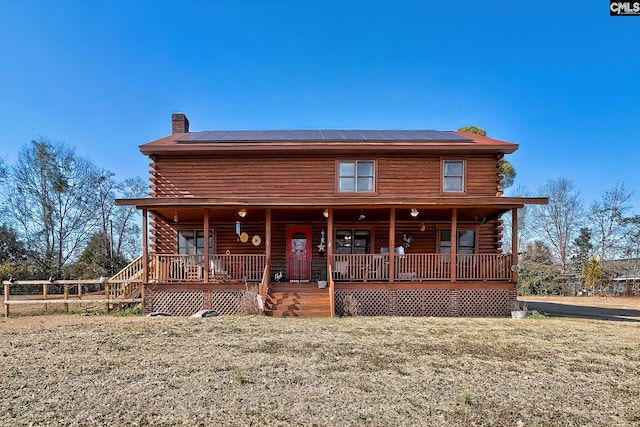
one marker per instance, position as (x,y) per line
(332,304)
(126,281)
(264,287)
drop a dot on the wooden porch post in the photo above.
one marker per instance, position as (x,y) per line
(267,238)
(145,248)
(454,244)
(206,246)
(392,244)
(330,261)
(330,236)
(514,243)
(266,279)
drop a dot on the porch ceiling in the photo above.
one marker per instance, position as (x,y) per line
(341,202)
(350,215)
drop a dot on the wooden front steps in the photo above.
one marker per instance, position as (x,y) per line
(297,300)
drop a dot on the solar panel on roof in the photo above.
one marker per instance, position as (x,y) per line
(322,135)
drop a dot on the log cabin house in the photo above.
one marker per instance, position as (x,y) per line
(320,222)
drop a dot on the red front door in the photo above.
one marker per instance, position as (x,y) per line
(299,253)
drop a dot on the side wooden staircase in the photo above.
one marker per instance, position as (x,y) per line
(126,285)
(297,300)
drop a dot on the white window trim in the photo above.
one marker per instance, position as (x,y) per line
(355,176)
(444,176)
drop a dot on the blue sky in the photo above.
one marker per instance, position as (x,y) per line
(561,78)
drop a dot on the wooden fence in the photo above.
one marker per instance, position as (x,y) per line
(62,292)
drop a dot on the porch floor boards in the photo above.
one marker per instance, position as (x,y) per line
(297,300)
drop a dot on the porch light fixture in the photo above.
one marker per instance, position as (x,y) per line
(415,212)
(242,213)
(175,216)
(325,213)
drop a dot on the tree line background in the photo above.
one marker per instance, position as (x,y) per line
(58,219)
(58,216)
(570,247)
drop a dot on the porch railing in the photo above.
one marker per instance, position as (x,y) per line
(360,267)
(192,268)
(412,267)
(421,267)
(346,268)
(293,270)
(484,267)
(249,268)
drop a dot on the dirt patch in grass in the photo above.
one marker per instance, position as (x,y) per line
(103,370)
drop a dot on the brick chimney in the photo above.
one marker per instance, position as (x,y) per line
(179,123)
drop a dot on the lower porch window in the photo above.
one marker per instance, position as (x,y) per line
(466,243)
(353,241)
(191,242)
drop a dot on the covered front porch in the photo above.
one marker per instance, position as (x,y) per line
(342,248)
(347,268)
(252,244)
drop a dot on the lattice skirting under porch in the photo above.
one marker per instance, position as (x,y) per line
(428,302)
(188,302)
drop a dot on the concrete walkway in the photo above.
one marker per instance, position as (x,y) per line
(587,311)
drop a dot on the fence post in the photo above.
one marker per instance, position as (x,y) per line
(66,297)
(45,292)
(107,293)
(6,298)
(79,290)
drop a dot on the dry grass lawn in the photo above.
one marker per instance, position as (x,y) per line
(104,370)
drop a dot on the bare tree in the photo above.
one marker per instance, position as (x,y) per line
(631,253)
(126,233)
(558,222)
(3,169)
(3,177)
(106,200)
(53,202)
(607,217)
(525,232)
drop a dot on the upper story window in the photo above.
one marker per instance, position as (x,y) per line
(356,176)
(453,176)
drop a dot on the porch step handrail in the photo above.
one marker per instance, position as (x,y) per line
(332,292)
(127,284)
(130,272)
(263,288)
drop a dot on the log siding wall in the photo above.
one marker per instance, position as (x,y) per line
(311,175)
(164,236)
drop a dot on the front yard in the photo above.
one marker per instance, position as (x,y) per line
(104,370)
